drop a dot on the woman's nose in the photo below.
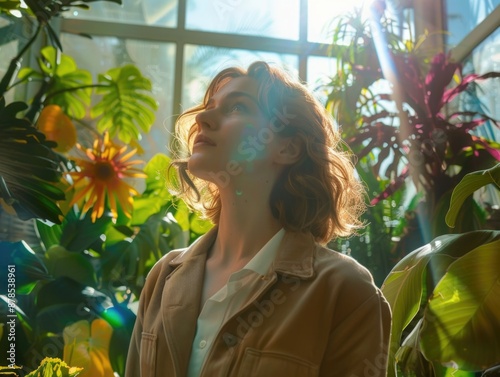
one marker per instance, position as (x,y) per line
(205,119)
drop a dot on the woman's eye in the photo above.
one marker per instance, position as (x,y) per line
(236,108)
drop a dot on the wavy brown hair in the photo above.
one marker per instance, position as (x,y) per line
(318,194)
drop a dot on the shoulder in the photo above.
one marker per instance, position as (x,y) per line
(343,266)
(345,277)
(162,266)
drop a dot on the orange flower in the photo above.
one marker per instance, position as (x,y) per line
(103,172)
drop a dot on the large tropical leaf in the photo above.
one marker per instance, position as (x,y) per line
(403,290)
(467,186)
(125,108)
(28,167)
(462,319)
(405,284)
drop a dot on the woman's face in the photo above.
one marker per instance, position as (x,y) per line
(233,135)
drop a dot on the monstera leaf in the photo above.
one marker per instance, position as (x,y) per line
(69,87)
(124,109)
(28,167)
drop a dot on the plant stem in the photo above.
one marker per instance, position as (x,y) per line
(88,127)
(37,101)
(75,88)
(15,63)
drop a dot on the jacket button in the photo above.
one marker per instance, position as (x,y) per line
(203,343)
(230,339)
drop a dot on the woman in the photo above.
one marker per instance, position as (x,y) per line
(260,294)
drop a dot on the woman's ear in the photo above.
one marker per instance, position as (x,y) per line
(289,151)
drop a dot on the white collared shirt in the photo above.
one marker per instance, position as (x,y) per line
(225,302)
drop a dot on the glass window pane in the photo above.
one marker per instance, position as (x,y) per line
(321,14)
(142,12)
(154,60)
(465,15)
(320,70)
(483,97)
(276,19)
(202,63)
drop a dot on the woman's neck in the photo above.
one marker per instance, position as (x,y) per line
(246,223)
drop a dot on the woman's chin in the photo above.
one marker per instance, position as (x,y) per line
(200,167)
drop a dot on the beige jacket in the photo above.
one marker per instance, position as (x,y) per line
(317,313)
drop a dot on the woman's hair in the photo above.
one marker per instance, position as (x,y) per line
(319,193)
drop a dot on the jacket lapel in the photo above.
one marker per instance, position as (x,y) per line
(181,300)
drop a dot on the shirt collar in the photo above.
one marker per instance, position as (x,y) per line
(293,256)
(261,261)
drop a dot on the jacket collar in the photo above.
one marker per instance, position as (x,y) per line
(294,256)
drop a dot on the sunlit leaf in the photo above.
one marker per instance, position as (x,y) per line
(462,316)
(403,287)
(61,262)
(65,78)
(155,195)
(125,109)
(467,186)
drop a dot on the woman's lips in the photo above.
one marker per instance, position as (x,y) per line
(203,140)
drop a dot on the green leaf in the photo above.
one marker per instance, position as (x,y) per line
(403,290)
(156,170)
(60,262)
(155,195)
(198,225)
(66,82)
(181,214)
(403,287)
(124,108)
(6,5)
(409,358)
(50,234)
(79,233)
(29,268)
(128,261)
(28,167)
(462,315)
(467,186)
